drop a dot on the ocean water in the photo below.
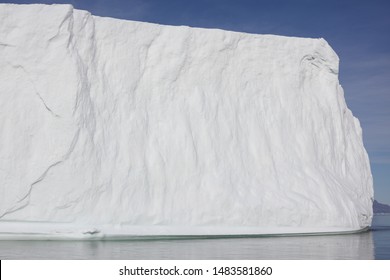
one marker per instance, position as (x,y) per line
(374,244)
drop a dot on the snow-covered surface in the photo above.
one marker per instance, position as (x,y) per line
(111,127)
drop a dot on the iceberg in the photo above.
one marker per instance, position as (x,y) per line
(118,129)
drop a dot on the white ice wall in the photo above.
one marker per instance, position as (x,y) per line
(132,126)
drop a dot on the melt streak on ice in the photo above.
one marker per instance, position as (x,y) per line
(112,128)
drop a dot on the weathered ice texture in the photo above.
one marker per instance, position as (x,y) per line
(121,128)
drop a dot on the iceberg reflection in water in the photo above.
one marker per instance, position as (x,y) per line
(351,246)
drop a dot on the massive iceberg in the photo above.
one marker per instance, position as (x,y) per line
(113,129)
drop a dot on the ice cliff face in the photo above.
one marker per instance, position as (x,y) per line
(138,128)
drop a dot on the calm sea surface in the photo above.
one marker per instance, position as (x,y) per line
(374,244)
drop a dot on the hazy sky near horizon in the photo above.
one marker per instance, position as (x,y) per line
(359,32)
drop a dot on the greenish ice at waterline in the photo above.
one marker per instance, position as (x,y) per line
(367,245)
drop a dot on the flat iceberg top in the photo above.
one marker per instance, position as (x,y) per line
(131,127)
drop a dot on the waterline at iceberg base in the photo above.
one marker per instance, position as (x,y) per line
(113,128)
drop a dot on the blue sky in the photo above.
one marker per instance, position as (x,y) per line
(359,31)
